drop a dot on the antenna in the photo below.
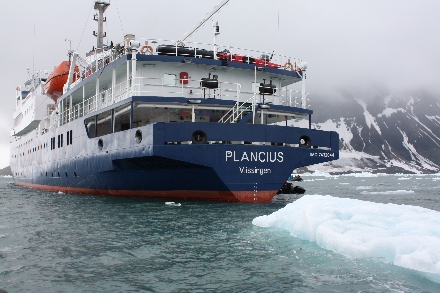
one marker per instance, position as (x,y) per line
(70,44)
(204,20)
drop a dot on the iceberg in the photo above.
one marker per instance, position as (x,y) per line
(409,236)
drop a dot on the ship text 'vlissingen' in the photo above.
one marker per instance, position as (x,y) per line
(247,170)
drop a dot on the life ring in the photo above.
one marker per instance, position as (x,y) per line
(17,88)
(146,49)
(288,65)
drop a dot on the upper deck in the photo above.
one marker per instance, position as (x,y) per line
(169,69)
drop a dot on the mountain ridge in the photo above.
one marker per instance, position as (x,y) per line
(391,134)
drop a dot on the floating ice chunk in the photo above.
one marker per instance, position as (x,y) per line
(172,203)
(389,192)
(403,178)
(60,192)
(364,187)
(317,173)
(362,174)
(409,236)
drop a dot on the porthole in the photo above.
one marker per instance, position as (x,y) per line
(138,136)
(304,141)
(199,137)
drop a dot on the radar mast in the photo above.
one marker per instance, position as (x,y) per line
(100,6)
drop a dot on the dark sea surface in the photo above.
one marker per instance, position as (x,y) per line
(52,242)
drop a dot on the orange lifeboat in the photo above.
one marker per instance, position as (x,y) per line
(57,79)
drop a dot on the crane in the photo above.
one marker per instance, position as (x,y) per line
(204,20)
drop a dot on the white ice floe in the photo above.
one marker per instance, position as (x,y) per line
(60,192)
(317,174)
(364,187)
(409,236)
(389,192)
(362,174)
(172,203)
(403,178)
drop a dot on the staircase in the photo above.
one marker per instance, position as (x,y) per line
(239,110)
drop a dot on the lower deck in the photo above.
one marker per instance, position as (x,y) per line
(215,161)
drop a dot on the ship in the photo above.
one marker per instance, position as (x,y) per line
(171,119)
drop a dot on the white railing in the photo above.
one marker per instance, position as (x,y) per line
(230,53)
(94,103)
(282,97)
(98,59)
(143,86)
(94,62)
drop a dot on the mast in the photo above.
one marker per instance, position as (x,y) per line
(100,6)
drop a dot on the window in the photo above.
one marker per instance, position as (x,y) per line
(169,79)
(115,120)
(90,126)
(68,140)
(104,123)
(122,117)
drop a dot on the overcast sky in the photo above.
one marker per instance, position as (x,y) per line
(391,46)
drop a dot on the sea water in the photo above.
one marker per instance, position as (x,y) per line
(363,233)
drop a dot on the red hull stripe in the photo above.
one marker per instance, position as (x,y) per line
(238,196)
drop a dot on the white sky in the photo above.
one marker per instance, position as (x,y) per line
(351,45)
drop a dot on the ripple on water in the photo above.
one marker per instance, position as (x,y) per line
(76,243)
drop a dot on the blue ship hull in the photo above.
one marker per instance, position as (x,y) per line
(165,164)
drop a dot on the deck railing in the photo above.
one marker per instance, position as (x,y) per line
(98,59)
(230,53)
(142,86)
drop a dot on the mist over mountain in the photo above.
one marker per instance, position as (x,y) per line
(381,133)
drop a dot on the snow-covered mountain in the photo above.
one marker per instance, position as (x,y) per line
(391,134)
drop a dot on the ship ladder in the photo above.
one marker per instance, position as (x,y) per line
(236,113)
